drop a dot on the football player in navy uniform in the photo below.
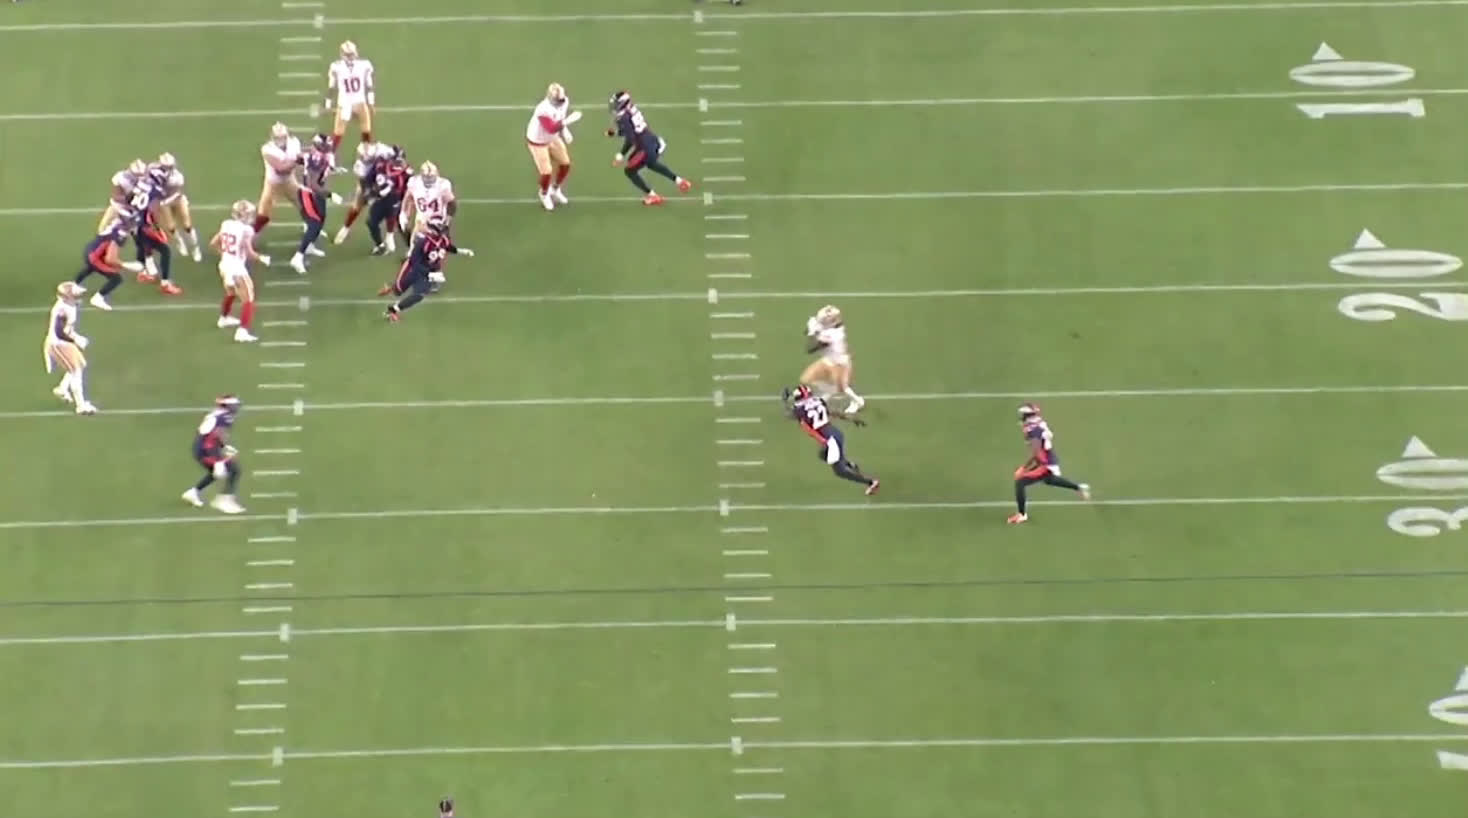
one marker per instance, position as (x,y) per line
(102,257)
(815,417)
(422,272)
(390,177)
(213,452)
(1043,465)
(150,238)
(445,808)
(317,163)
(641,148)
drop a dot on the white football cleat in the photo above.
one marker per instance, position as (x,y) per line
(243,336)
(85,408)
(341,235)
(1085,491)
(183,246)
(558,196)
(298,263)
(132,266)
(336,198)
(391,242)
(197,255)
(192,498)
(313,250)
(99,302)
(227,504)
(547,202)
(63,393)
(227,321)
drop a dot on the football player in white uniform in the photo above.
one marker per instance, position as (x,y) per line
(350,89)
(831,374)
(282,157)
(63,347)
(429,195)
(235,244)
(173,208)
(124,183)
(547,135)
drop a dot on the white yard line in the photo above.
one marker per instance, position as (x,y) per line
(724,746)
(273,634)
(935,195)
(745,16)
(699,400)
(713,508)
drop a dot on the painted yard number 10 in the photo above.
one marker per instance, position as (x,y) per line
(1327,69)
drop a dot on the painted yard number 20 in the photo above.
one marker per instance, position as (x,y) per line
(1327,69)
(1371,259)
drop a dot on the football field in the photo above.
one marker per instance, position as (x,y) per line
(549,545)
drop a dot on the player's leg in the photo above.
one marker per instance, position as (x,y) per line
(364,120)
(244,290)
(842,372)
(655,164)
(75,364)
(194,496)
(225,501)
(819,377)
(339,126)
(417,289)
(312,213)
(1056,480)
(544,172)
(835,457)
(561,157)
(184,220)
(53,359)
(226,305)
(265,206)
(1022,482)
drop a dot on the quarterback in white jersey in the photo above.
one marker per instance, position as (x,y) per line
(831,374)
(351,90)
(235,243)
(282,156)
(547,135)
(63,347)
(429,195)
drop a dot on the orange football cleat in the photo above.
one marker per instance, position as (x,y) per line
(386,290)
(169,288)
(684,186)
(652,199)
(1016,519)
(146,278)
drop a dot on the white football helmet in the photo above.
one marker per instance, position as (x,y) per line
(556,94)
(349,50)
(828,316)
(429,172)
(242,211)
(280,134)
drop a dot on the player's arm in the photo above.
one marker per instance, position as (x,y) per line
(370,82)
(214,242)
(460,251)
(330,87)
(62,331)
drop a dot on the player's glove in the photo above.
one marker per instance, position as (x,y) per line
(437,278)
(465,251)
(81,340)
(617,161)
(264,259)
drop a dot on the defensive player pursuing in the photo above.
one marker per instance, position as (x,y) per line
(831,373)
(235,244)
(213,452)
(429,195)
(1043,465)
(63,347)
(815,416)
(390,178)
(316,165)
(350,81)
(641,148)
(102,257)
(173,209)
(547,135)
(149,237)
(422,272)
(364,168)
(282,155)
(445,808)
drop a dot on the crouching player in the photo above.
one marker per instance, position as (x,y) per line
(102,257)
(814,416)
(235,244)
(422,273)
(1043,465)
(641,148)
(311,198)
(213,452)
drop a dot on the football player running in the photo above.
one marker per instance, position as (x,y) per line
(350,81)
(831,373)
(641,148)
(63,347)
(316,166)
(1043,465)
(422,272)
(235,244)
(213,452)
(815,417)
(547,135)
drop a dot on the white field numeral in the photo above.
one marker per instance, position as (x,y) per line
(1377,307)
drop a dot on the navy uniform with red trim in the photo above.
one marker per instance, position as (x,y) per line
(422,272)
(641,148)
(150,238)
(101,256)
(316,164)
(389,183)
(1043,465)
(815,417)
(212,451)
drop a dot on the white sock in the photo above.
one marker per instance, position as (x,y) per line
(76,387)
(193,239)
(65,385)
(851,393)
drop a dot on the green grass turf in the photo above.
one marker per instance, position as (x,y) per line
(1043,313)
